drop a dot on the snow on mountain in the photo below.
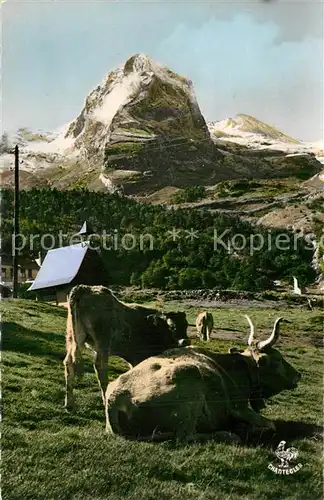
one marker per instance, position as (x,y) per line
(117,90)
(144,117)
(109,112)
(59,145)
(121,85)
(249,127)
(252,133)
(118,96)
(38,149)
(138,103)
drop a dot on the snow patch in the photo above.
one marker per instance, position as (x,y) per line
(121,93)
(231,127)
(124,86)
(36,155)
(58,145)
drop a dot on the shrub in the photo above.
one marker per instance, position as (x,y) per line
(190,194)
(189,278)
(155,275)
(22,292)
(208,279)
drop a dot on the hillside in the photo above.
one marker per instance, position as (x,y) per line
(274,204)
(257,201)
(190,259)
(142,130)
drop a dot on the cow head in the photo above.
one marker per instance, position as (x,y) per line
(157,321)
(274,373)
(178,324)
(168,333)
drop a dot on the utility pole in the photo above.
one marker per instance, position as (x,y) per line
(16,224)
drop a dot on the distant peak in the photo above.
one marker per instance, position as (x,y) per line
(138,62)
(244,115)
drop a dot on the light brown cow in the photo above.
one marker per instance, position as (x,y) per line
(205,325)
(99,321)
(190,391)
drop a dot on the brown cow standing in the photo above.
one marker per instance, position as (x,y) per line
(205,325)
(99,321)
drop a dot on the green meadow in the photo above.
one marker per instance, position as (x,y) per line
(49,454)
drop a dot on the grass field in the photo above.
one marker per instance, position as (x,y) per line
(49,454)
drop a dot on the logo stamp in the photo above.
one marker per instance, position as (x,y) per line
(285,456)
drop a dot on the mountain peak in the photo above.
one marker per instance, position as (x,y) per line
(248,130)
(138,104)
(140,63)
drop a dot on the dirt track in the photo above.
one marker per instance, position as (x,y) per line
(229,304)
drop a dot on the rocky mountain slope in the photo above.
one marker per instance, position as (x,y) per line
(141,130)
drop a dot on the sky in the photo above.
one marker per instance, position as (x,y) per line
(262,58)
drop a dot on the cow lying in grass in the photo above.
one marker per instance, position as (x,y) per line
(193,392)
(204,325)
(99,321)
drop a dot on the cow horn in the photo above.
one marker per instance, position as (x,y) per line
(273,337)
(251,337)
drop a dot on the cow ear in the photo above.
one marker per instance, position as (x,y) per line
(170,323)
(152,318)
(263,359)
(235,350)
